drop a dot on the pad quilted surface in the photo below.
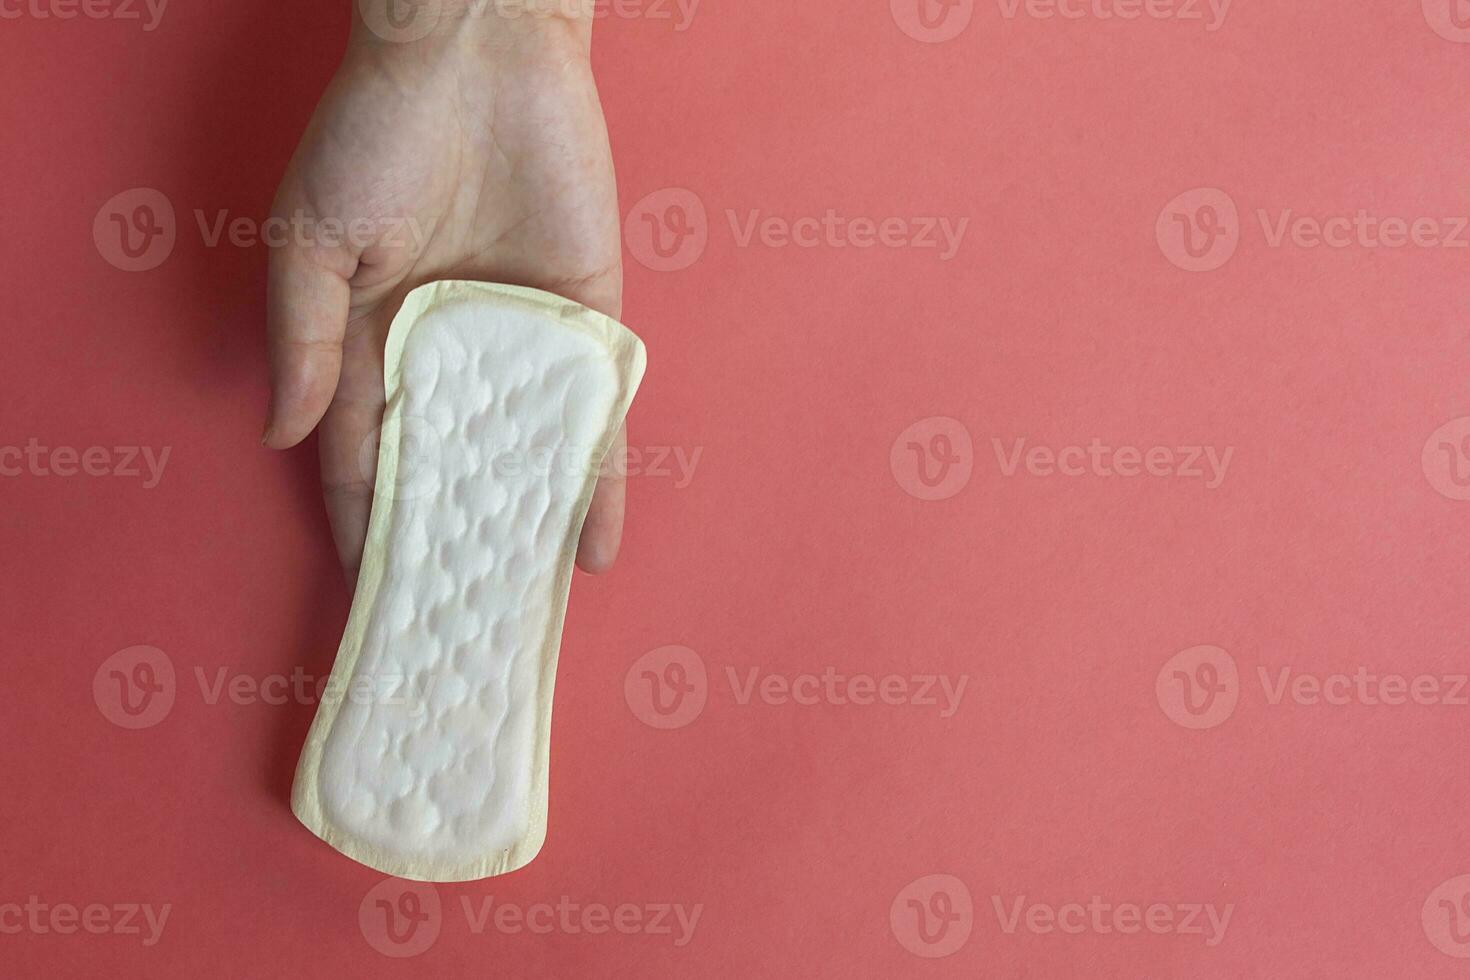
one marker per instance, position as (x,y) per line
(429,759)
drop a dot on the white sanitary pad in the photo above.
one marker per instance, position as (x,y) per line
(429,760)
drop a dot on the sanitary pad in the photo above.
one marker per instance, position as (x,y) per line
(429,760)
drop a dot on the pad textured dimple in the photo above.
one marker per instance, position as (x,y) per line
(428,756)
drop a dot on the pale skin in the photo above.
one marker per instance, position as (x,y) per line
(478,152)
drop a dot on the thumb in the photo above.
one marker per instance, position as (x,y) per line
(307,306)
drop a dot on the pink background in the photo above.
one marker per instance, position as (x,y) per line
(803,830)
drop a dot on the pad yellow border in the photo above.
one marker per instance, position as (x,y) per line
(628,355)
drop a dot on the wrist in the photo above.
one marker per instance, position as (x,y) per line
(435,27)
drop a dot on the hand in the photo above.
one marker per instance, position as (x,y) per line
(479,153)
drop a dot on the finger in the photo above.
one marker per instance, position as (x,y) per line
(602,533)
(348,447)
(307,309)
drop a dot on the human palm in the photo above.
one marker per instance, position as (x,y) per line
(483,160)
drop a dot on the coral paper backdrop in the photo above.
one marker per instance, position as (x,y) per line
(1046,552)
